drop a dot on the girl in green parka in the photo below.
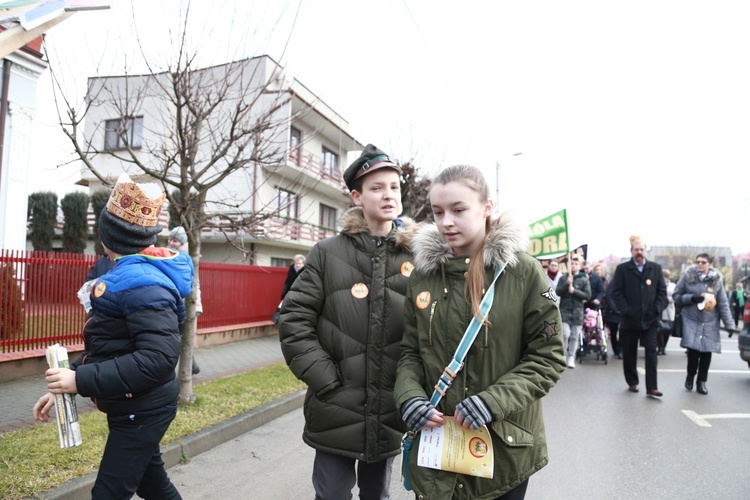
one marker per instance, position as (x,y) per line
(516,358)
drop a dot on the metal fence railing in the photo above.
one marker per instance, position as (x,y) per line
(39,305)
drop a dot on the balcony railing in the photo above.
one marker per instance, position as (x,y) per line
(313,167)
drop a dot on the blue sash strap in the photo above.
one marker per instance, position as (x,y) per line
(450,372)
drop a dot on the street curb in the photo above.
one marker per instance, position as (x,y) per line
(187,447)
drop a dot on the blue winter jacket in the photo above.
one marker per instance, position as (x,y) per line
(132,333)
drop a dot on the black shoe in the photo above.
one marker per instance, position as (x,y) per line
(689,383)
(702,388)
(196,368)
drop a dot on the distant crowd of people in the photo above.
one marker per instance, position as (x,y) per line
(641,305)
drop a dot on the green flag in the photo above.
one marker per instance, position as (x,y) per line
(549,236)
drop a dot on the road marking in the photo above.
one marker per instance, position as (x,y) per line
(702,420)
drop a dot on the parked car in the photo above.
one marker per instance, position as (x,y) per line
(744,338)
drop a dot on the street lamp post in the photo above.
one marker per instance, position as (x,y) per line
(497,178)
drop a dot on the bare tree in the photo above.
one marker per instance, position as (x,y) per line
(205,132)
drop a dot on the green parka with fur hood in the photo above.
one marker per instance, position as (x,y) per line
(340,328)
(514,361)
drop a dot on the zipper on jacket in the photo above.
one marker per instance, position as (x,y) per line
(486,334)
(432,314)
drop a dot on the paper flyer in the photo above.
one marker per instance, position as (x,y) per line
(453,448)
(65,404)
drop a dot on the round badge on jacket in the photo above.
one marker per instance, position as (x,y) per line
(360,291)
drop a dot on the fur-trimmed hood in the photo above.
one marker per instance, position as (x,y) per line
(712,278)
(506,238)
(404,231)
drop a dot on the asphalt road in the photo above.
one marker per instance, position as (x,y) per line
(604,442)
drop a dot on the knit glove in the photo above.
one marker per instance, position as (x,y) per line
(416,412)
(697,299)
(475,411)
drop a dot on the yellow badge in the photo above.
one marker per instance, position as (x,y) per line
(360,291)
(648,282)
(406,268)
(100,288)
(422,300)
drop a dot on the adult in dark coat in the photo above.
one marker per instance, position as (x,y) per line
(597,288)
(295,269)
(611,317)
(102,266)
(639,292)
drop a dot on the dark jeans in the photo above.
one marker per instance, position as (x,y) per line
(737,315)
(334,477)
(517,493)
(629,340)
(698,362)
(132,459)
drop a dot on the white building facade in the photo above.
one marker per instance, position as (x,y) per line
(296,193)
(19,75)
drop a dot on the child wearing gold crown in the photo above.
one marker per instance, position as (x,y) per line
(131,345)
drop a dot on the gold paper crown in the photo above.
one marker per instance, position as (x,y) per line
(130,202)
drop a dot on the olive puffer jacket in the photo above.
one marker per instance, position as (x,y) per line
(700,328)
(340,329)
(571,304)
(514,361)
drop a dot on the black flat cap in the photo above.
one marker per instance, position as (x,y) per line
(370,160)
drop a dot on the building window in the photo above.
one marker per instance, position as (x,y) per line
(279,262)
(286,203)
(123,132)
(327,217)
(330,162)
(295,145)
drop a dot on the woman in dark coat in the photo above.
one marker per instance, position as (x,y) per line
(294,270)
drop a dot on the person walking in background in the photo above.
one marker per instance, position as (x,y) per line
(639,293)
(102,265)
(700,291)
(573,289)
(178,240)
(553,276)
(298,264)
(516,358)
(597,287)
(737,302)
(131,345)
(340,329)
(611,317)
(667,314)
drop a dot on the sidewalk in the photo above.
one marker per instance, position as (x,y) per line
(17,397)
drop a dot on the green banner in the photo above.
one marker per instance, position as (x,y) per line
(549,236)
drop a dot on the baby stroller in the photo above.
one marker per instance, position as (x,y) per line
(592,340)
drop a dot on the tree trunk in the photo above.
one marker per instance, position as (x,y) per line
(185,368)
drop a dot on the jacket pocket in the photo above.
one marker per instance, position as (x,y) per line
(512,434)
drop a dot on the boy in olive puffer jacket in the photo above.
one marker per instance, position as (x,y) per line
(340,329)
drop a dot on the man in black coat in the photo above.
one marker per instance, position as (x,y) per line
(639,291)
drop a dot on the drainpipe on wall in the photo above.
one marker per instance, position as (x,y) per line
(3,113)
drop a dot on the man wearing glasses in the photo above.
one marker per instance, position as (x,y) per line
(639,291)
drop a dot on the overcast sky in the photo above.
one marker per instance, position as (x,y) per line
(632,115)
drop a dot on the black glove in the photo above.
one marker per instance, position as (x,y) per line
(416,412)
(730,332)
(475,411)
(697,299)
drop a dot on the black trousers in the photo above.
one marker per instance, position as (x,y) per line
(614,340)
(698,362)
(132,459)
(629,341)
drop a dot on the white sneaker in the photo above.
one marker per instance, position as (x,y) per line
(571,362)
